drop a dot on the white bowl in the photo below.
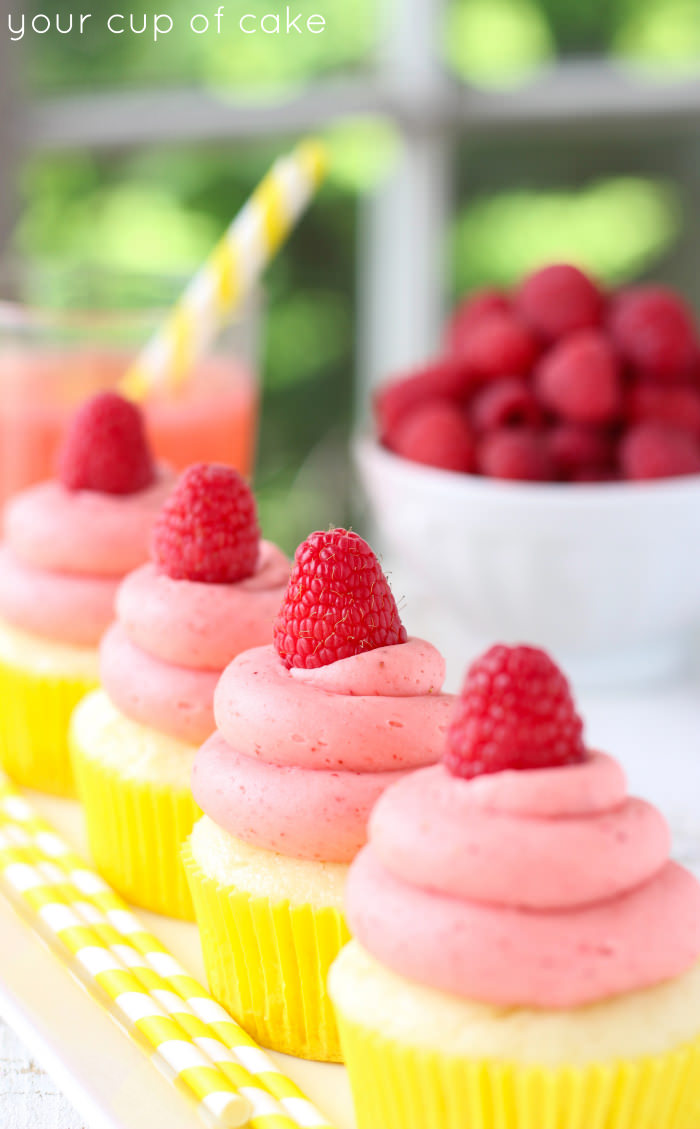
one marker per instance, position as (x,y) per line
(606,576)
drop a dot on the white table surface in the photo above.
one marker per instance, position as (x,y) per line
(29,1099)
(654,731)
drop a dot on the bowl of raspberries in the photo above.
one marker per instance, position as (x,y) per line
(540,478)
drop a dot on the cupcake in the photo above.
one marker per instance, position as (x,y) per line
(68,542)
(212,589)
(526,954)
(311,730)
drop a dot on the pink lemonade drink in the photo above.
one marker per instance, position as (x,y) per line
(213,418)
(51,361)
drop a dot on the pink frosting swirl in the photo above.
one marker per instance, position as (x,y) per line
(84,532)
(295,811)
(55,605)
(549,888)
(430,826)
(161,661)
(202,625)
(301,756)
(177,700)
(317,718)
(65,552)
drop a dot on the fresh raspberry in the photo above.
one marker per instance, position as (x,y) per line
(581,453)
(338,603)
(105,448)
(515,712)
(516,453)
(499,345)
(677,404)
(653,331)
(559,299)
(470,311)
(208,528)
(508,402)
(579,379)
(658,450)
(436,434)
(444,379)
(693,375)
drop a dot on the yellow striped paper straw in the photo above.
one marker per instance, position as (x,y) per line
(275,1101)
(229,273)
(42,888)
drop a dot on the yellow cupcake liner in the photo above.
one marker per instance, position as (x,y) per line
(35,711)
(399,1086)
(135,832)
(267,962)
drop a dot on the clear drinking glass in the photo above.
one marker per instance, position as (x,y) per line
(66,335)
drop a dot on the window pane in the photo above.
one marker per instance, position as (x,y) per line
(496,41)
(622,208)
(663,34)
(501,42)
(500,237)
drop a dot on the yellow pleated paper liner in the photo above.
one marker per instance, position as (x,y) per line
(35,713)
(397,1086)
(267,964)
(135,832)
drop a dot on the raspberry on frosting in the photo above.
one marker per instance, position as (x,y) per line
(338,603)
(105,448)
(515,711)
(208,529)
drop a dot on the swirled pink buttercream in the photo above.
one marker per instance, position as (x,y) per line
(173,699)
(290,717)
(430,826)
(295,811)
(65,552)
(549,888)
(301,756)
(162,659)
(84,532)
(55,605)
(202,625)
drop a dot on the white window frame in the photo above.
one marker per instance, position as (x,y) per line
(404,224)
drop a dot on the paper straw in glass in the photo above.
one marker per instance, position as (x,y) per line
(229,273)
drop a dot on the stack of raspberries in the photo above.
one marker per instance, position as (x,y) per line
(557,381)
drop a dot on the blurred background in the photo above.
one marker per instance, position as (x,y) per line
(470,141)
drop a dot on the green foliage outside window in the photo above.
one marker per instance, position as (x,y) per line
(160,209)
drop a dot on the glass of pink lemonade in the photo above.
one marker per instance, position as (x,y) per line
(53,357)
